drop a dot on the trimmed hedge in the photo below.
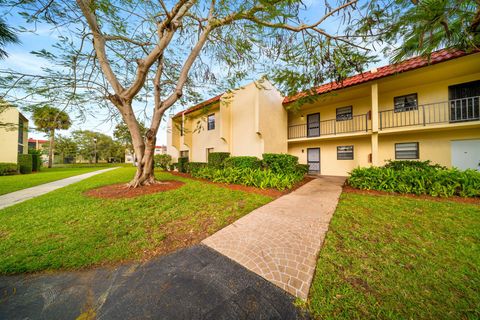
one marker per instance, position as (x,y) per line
(217,159)
(162,161)
(417,178)
(280,162)
(192,167)
(36,159)
(243,162)
(25,163)
(8,168)
(181,165)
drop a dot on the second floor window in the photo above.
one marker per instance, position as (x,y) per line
(344,113)
(211,121)
(405,103)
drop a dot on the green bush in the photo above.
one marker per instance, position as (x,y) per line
(192,167)
(8,168)
(418,165)
(216,159)
(181,165)
(418,179)
(280,163)
(25,163)
(302,169)
(243,162)
(250,177)
(162,161)
(36,159)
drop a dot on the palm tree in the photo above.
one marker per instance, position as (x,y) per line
(6,37)
(48,119)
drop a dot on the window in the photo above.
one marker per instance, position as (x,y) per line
(209,150)
(20,130)
(406,150)
(405,103)
(465,101)
(345,153)
(184,154)
(344,113)
(211,121)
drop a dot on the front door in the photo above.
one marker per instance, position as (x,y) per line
(313,125)
(313,160)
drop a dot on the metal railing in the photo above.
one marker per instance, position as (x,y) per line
(357,123)
(452,111)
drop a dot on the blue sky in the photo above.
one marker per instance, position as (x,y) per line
(21,60)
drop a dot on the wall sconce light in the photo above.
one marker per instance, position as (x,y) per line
(303,150)
(302,117)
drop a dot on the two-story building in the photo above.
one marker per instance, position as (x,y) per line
(13,133)
(416,109)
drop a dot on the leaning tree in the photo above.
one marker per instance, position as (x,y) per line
(48,119)
(138,54)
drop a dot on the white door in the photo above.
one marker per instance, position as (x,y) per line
(466,154)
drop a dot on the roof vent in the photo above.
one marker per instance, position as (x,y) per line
(373,70)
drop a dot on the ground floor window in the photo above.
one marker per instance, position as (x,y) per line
(345,153)
(184,154)
(408,150)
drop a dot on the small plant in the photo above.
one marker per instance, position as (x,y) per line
(181,165)
(36,159)
(192,167)
(162,161)
(280,163)
(243,162)
(8,168)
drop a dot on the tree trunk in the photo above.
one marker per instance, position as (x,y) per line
(51,147)
(144,153)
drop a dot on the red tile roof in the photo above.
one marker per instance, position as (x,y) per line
(199,106)
(35,140)
(406,65)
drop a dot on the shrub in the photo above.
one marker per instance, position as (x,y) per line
(243,162)
(302,169)
(419,165)
(25,163)
(181,165)
(192,167)
(280,163)
(418,179)
(8,168)
(216,159)
(250,177)
(162,161)
(36,159)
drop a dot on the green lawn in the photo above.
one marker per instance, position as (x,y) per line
(22,181)
(66,230)
(392,257)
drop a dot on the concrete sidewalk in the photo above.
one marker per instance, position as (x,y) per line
(13,198)
(281,240)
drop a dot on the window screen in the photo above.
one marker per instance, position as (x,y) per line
(345,153)
(406,150)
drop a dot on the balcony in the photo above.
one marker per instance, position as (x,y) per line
(357,123)
(452,111)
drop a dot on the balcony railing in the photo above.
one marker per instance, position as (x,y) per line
(452,111)
(358,123)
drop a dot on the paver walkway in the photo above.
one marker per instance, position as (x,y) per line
(281,240)
(193,283)
(12,198)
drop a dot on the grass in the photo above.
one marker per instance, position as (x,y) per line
(66,230)
(392,257)
(22,181)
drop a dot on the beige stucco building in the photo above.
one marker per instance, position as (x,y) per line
(415,110)
(13,134)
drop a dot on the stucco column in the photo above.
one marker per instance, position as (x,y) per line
(374,107)
(375,161)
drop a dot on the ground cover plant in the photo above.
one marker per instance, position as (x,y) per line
(395,257)
(66,229)
(13,183)
(418,178)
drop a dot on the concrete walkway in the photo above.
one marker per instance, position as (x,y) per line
(281,240)
(12,198)
(193,283)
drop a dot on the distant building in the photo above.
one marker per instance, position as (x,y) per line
(38,144)
(129,157)
(13,134)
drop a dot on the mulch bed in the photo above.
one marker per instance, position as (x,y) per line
(274,193)
(349,189)
(121,191)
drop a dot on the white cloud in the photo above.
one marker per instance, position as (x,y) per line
(23,62)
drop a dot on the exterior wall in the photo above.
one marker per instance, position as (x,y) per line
(329,165)
(9,143)
(434,146)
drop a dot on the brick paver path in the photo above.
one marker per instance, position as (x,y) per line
(281,240)
(12,198)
